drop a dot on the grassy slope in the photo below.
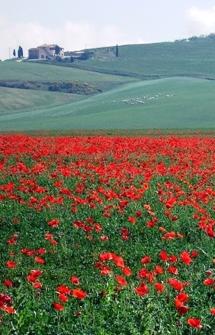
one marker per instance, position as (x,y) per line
(168,103)
(191,106)
(194,58)
(13,101)
(16,100)
(11,70)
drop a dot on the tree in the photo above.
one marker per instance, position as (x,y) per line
(20,52)
(117,50)
(14,53)
(57,50)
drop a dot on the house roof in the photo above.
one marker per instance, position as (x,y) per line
(49,46)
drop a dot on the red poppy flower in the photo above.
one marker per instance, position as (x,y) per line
(54,223)
(172,259)
(183,297)
(132,219)
(37,285)
(33,275)
(8,283)
(127,271)
(185,257)
(169,235)
(181,308)
(8,309)
(11,264)
(145,260)
(212,310)
(78,293)
(176,284)
(159,287)
(173,270)
(63,297)
(158,270)
(75,280)
(105,271)
(164,256)
(104,238)
(125,233)
(41,251)
(195,323)
(118,260)
(39,260)
(63,289)
(106,256)
(58,307)
(121,280)
(208,282)
(142,290)
(143,273)
(194,254)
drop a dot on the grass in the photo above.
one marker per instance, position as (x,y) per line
(193,58)
(13,100)
(177,93)
(157,104)
(26,71)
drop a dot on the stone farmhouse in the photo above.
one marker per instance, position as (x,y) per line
(46,52)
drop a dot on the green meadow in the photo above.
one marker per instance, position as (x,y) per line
(151,86)
(164,103)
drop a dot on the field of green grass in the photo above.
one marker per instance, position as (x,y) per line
(13,100)
(113,93)
(183,58)
(26,71)
(156,104)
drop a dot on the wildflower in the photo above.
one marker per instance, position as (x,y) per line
(121,280)
(194,322)
(185,258)
(11,264)
(142,290)
(176,284)
(8,283)
(54,223)
(159,287)
(58,307)
(209,282)
(78,293)
(75,280)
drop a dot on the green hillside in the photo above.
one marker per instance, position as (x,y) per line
(29,71)
(195,57)
(13,100)
(112,92)
(164,103)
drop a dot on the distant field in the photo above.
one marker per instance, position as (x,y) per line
(113,93)
(167,103)
(13,101)
(193,58)
(23,71)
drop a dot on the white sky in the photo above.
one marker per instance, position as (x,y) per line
(77,24)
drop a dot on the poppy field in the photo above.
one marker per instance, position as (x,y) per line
(107,235)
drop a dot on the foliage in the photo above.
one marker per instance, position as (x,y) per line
(20,52)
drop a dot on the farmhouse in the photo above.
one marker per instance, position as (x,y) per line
(46,52)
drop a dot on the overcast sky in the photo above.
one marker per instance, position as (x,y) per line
(77,24)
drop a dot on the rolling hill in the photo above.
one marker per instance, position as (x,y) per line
(159,104)
(161,85)
(14,100)
(30,71)
(193,57)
